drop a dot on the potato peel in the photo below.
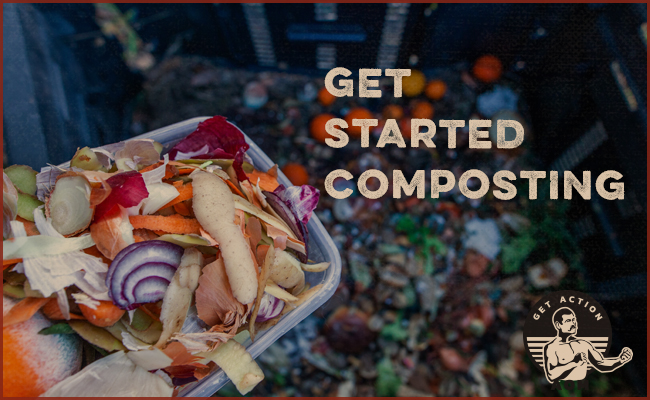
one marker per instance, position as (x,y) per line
(214,208)
(238,365)
(299,287)
(261,287)
(276,291)
(320,267)
(286,270)
(254,231)
(296,245)
(178,296)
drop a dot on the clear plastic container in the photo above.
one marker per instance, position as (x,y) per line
(321,248)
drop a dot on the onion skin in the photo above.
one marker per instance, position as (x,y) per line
(141,273)
(113,232)
(69,205)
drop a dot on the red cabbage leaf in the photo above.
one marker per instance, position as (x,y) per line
(295,206)
(214,138)
(302,200)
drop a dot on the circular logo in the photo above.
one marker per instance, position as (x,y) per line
(559,327)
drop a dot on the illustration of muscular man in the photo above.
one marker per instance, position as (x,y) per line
(567,357)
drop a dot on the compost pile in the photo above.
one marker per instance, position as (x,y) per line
(434,292)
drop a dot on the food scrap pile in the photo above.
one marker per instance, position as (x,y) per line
(135,271)
(434,292)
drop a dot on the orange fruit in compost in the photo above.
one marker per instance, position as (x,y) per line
(317,127)
(296,173)
(422,109)
(414,84)
(325,97)
(436,89)
(488,69)
(357,113)
(33,363)
(393,111)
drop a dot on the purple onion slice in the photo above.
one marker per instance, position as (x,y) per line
(150,290)
(146,271)
(118,258)
(158,258)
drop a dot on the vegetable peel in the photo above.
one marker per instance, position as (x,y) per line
(276,291)
(261,286)
(181,226)
(113,232)
(215,301)
(238,365)
(266,180)
(178,296)
(286,270)
(215,211)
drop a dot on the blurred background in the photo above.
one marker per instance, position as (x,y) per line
(434,293)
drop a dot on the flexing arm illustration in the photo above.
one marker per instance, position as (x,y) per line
(567,357)
(607,364)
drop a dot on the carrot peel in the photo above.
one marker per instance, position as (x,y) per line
(183,226)
(182,209)
(184,193)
